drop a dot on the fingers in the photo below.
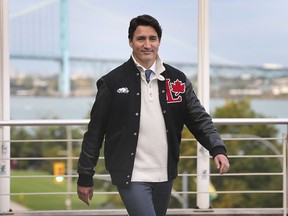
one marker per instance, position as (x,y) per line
(85,194)
(91,194)
(86,200)
(222,163)
(224,168)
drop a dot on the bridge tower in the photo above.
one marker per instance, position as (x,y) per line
(64,75)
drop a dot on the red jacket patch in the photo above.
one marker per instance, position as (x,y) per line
(173,91)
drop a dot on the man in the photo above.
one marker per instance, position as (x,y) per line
(140,109)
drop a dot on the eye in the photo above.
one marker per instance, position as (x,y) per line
(140,38)
(153,38)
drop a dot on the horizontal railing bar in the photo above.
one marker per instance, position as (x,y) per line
(250,139)
(184,139)
(231,121)
(44,122)
(235,174)
(42,158)
(228,192)
(102,158)
(239,156)
(238,121)
(56,193)
(239,138)
(174,192)
(256,156)
(52,176)
(43,140)
(97,176)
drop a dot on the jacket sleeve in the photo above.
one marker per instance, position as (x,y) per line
(94,136)
(200,124)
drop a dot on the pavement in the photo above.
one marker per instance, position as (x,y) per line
(19,210)
(15,207)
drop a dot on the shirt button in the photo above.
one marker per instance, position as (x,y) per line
(127,183)
(137,114)
(163,91)
(164,111)
(135,134)
(137,93)
(137,74)
(132,154)
(128,176)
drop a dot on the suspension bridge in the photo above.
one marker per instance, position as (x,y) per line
(41,32)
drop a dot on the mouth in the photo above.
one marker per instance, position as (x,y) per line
(147,52)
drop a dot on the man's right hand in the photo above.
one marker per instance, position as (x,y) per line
(85,193)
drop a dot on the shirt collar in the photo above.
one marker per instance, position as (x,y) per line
(157,66)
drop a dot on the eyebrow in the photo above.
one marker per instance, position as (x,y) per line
(143,36)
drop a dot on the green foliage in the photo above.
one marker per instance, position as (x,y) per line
(41,142)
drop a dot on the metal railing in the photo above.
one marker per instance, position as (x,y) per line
(181,196)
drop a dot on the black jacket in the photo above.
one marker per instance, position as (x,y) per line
(115,116)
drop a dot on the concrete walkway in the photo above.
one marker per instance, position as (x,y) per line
(15,207)
(171,212)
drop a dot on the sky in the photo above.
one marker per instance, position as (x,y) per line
(242,32)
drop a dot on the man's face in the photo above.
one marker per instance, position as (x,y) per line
(145,44)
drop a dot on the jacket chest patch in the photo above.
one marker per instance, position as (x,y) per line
(174,91)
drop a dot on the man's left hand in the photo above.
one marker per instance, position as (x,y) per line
(222,163)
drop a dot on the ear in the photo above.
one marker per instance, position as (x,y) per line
(130,43)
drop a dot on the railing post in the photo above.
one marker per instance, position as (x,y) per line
(203,159)
(69,168)
(285,172)
(185,189)
(4,110)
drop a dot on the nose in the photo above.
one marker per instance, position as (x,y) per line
(147,44)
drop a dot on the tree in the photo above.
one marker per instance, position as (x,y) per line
(242,109)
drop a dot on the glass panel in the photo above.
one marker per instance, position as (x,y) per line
(249,49)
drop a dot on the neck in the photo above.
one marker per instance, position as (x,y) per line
(145,65)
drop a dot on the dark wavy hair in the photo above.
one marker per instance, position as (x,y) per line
(144,20)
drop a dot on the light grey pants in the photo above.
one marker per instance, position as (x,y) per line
(146,198)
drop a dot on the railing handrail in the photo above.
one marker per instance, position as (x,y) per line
(238,121)
(232,121)
(43,122)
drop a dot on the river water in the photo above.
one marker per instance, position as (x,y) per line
(79,107)
(29,107)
